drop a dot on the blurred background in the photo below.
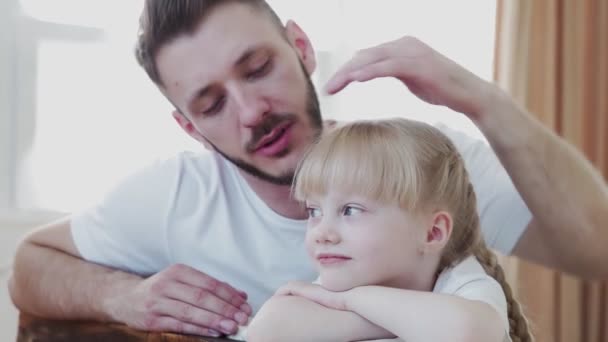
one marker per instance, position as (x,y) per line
(77,113)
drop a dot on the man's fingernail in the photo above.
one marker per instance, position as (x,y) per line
(241,317)
(228,326)
(214,333)
(246,308)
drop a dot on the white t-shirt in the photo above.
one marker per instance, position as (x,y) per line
(196,209)
(469,280)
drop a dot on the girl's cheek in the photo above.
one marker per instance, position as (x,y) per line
(309,244)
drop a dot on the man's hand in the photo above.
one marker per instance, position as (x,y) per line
(315,293)
(183,300)
(428,74)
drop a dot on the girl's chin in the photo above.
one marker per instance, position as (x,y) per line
(337,286)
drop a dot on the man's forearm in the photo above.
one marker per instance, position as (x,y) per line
(567,196)
(49,283)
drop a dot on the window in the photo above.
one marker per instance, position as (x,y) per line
(87,114)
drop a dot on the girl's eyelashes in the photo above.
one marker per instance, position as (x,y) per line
(350,210)
(346,210)
(313,212)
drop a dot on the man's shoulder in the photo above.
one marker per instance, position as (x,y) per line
(204,158)
(205,169)
(171,175)
(186,163)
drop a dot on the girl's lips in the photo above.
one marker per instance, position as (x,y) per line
(332,259)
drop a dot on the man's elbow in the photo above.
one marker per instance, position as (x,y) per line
(17,281)
(13,292)
(601,259)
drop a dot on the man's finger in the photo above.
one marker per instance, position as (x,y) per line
(166,323)
(385,68)
(237,310)
(193,277)
(191,314)
(341,78)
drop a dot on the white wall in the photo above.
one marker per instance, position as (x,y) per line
(7,93)
(88,115)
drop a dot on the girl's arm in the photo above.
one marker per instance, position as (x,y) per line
(425,316)
(295,319)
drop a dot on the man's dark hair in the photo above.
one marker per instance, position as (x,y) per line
(164,20)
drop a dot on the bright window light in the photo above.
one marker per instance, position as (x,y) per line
(98,117)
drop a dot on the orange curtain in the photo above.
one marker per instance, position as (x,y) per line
(552,56)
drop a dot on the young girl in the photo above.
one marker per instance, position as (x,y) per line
(394,232)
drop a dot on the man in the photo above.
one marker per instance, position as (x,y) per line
(175,246)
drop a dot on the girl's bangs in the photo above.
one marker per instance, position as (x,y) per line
(364,159)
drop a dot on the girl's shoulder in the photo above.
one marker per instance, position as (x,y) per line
(468,280)
(465,275)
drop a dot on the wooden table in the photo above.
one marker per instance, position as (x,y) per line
(34,329)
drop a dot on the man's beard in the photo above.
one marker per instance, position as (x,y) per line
(272,120)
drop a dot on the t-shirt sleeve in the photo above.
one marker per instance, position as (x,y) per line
(127,229)
(468,280)
(489,291)
(503,214)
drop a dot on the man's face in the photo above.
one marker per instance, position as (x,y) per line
(241,87)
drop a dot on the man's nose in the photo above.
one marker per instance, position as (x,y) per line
(251,106)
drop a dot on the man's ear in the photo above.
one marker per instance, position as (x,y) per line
(300,42)
(189,128)
(438,231)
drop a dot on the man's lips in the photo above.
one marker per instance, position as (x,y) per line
(276,142)
(272,136)
(330,258)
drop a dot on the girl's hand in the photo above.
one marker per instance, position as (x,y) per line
(315,293)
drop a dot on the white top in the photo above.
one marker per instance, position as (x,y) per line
(196,209)
(469,280)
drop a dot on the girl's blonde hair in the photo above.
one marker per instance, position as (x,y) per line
(415,165)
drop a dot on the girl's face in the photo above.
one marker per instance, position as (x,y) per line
(355,241)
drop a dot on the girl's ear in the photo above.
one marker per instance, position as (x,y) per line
(438,232)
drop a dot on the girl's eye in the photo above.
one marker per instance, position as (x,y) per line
(350,210)
(313,212)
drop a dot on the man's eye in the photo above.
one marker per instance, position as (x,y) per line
(260,71)
(350,210)
(313,212)
(217,106)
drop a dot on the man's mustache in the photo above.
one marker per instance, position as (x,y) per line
(265,127)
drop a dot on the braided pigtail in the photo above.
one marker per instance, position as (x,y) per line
(518,323)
